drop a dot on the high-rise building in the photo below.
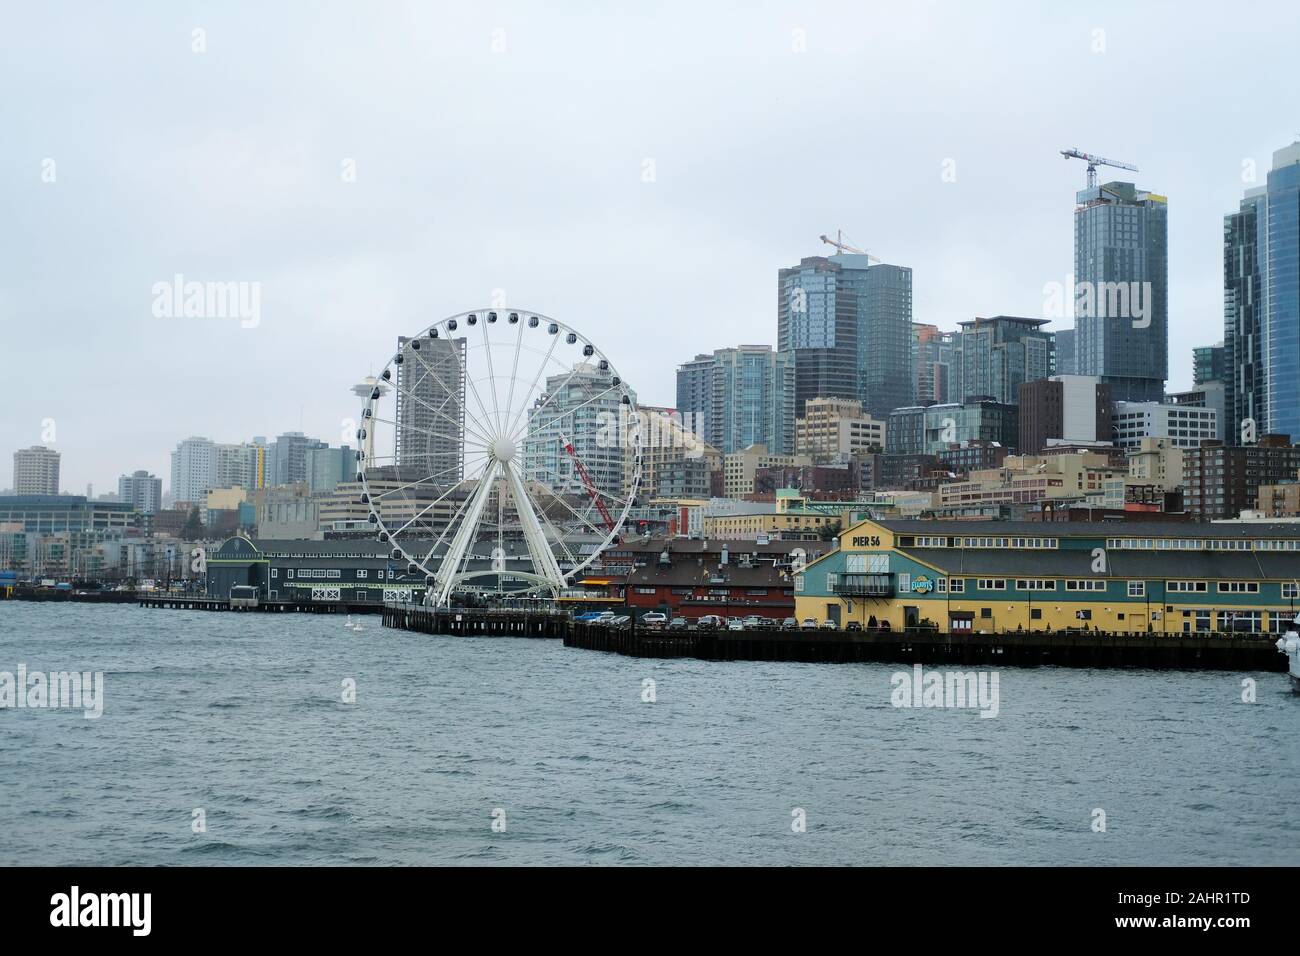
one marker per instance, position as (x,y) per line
(695,393)
(817,321)
(1066,409)
(1281,276)
(753,399)
(1065,353)
(1000,354)
(36,471)
(849,323)
(937,355)
(1221,482)
(1121,305)
(194,470)
(430,413)
(290,458)
(837,428)
(1245,242)
(581,409)
(1208,364)
(326,467)
(142,491)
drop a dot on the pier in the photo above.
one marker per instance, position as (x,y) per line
(184,602)
(479,622)
(1093,649)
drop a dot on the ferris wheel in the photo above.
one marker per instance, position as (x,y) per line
(515,454)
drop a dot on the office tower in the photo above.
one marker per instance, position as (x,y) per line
(1065,409)
(1281,352)
(36,471)
(430,410)
(142,491)
(935,355)
(817,316)
(695,393)
(754,391)
(1184,425)
(1000,354)
(928,430)
(291,457)
(849,322)
(1208,364)
(1244,296)
(584,410)
(1065,353)
(1121,307)
(327,467)
(194,470)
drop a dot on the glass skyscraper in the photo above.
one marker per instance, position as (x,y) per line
(1282,279)
(1261,304)
(849,323)
(1121,279)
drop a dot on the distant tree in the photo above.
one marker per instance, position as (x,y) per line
(828,531)
(193,530)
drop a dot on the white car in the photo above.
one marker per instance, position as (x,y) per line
(654,619)
(809,624)
(735,624)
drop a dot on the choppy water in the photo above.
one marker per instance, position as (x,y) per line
(242,716)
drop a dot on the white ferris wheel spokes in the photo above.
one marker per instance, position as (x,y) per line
(512,454)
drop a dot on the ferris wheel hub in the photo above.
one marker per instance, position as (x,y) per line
(503,449)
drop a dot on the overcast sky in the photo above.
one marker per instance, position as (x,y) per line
(640,171)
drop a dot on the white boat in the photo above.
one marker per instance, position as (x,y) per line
(1289,644)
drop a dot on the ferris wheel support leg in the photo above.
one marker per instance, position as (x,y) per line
(461,542)
(543,557)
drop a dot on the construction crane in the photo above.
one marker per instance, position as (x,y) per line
(1094,162)
(839,243)
(587,483)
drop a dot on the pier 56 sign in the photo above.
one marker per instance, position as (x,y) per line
(867,541)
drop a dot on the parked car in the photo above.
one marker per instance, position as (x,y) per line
(619,620)
(654,619)
(829,625)
(678,624)
(735,624)
(809,624)
(606,617)
(753,621)
(789,624)
(712,620)
(587,616)
(853,626)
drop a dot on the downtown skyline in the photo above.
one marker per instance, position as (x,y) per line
(204,179)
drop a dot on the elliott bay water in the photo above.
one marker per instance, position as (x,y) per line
(242,716)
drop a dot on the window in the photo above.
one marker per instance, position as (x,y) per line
(1188,587)
(1035,584)
(1290,589)
(1085,585)
(645,590)
(1238,587)
(275,572)
(957,585)
(1137,589)
(1036,614)
(361,574)
(904,583)
(986,612)
(992,584)
(941,586)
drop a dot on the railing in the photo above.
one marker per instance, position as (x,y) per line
(865,585)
